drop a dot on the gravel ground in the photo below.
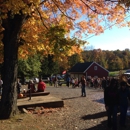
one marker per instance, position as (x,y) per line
(81,113)
(78,113)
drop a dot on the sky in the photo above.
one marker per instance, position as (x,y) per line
(111,39)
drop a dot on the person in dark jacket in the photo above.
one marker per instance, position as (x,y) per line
(111,100)
(124,95)
(83,85)
(104,83)
(31,87)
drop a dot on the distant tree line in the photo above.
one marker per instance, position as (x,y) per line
(111,60)
(40,66)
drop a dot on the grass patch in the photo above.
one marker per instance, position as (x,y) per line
(115,73)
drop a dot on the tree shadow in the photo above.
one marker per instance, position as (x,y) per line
(94,116)
(101,100)
(103,124)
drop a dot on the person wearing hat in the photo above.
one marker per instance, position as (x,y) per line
(124,96)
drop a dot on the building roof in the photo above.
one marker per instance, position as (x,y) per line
(83,67)
(80,67)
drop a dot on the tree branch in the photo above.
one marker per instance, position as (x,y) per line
(41,17)
(53,12)
(42,2)
(94,10)
(90,7)
(61,10)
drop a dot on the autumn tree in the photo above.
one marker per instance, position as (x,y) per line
(111,60)
(126,58)
(74,59)
(30,67)
(49,66)
(24,21)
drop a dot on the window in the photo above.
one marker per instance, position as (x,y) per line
(95,67)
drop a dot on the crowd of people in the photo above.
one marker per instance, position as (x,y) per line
(32,87)
(92,82)
(116,94)
(116,99)
(54,80)
(40,87)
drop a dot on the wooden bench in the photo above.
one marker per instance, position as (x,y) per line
(38,94)
(33,94)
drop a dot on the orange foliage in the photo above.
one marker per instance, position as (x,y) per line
(80,15)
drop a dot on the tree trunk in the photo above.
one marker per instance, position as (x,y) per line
(8,104)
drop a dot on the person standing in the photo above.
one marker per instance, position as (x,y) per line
(83,85)
(111,100)
(31,88)
(55,81)
(124,96)
(104,83)
(68,81)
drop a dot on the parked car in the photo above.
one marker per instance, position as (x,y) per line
(59,77)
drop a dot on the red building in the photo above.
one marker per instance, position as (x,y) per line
(89,69)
